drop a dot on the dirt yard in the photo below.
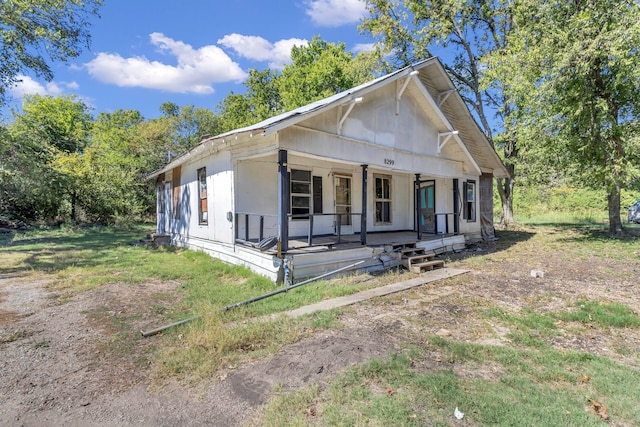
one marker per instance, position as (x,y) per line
(58,368)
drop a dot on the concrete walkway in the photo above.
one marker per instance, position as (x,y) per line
(428,277)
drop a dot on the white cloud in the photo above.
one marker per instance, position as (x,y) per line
(334,13)
(258,49)
(364,47)
(28,86)
(195,71)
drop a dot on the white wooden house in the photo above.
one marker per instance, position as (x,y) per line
(398,159)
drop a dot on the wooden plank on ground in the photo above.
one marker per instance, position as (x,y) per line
(431,276)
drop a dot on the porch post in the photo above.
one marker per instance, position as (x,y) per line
(456,207)
(363,216)
(416,202)
(283,199)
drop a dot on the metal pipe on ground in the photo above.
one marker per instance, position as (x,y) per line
(288,288)
(250,300)
(162,328)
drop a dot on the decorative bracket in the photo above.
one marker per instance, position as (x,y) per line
(442,97)
(402,89)
(443,138)
(344,116)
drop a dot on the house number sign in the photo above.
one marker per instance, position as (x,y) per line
(389,162)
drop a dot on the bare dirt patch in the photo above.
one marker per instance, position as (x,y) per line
(69,362)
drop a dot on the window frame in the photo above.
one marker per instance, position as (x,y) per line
(379,218)
(470,201)
(293,196)
(203,207)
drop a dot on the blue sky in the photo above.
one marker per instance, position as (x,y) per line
(146,52)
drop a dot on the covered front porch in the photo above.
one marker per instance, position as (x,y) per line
(312,204)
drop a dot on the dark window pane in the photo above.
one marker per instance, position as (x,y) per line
(300,201)
(299,211)
(300,175)
(300,188)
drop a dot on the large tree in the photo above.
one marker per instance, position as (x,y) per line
(462,34)
(110,171)
(574,67)
(48,128)
(32,33)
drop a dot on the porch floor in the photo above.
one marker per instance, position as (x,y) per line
(352,241)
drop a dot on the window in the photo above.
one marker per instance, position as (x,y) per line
(383,199)
(305,194)
(300,189)
(202,196)
(469,207)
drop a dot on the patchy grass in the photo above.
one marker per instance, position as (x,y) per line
(545,370)
(606,315)
(83,259)
(534,387)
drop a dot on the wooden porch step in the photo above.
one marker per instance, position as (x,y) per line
(411,251)
(409,261)
(427,266)
(414,258)
(396,247)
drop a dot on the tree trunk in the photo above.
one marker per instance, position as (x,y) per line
(613,203)
(74,202)
(505,189)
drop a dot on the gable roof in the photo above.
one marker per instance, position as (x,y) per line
(432,76)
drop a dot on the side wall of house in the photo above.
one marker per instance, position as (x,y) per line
(219,200)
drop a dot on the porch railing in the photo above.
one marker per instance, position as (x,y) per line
(447,216)
(338,223)
(253,225)
(253,222)
(248,219)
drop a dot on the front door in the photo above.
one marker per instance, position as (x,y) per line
(343,204)
(427,209)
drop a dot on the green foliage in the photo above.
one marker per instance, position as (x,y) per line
(32,33)
(186,127)
(49,130)
(57,163)
(410,31)
(533,201)
(110,170)
(261,101)
(318,70)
